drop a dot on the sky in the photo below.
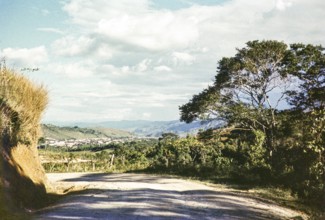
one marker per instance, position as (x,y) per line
(106,60)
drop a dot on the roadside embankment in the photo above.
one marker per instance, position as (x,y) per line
(23,182)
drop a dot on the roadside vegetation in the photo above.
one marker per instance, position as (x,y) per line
(22,178)
(115,157)
(261,143)
(269,145)
(190,157)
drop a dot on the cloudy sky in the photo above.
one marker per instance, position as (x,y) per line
(139,59)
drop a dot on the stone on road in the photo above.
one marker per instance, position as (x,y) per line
(141,196)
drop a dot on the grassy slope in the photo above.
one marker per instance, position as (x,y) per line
(22,178)
(61,133)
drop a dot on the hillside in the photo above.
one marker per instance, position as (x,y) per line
(62,133)
(155,128)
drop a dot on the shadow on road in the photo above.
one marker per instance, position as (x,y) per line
(154,204)
(149,203)
(124,177)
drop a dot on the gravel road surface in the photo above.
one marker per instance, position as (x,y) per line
(141,196)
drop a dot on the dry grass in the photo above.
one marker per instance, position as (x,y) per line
(21,106)
(22,178)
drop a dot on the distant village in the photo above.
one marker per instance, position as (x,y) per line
(73,143)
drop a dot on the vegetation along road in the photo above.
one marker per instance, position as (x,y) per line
(141,196)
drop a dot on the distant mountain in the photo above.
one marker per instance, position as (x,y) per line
(75,132)
(155,128)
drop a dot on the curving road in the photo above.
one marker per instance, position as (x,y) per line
(141,196)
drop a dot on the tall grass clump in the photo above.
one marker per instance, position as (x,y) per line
(21,106)
(23,182)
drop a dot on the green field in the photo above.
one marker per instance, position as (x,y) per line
(63,133)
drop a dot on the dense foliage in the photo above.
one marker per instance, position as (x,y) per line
(279,146)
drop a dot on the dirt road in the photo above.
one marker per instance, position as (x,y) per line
(140,196)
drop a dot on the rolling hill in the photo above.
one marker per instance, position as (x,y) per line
(62,133)
(155,128)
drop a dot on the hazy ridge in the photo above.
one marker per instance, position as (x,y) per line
(124,128)
(75,132)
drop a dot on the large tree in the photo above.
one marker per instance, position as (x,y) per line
(243,91)
(247,94)
(307,63)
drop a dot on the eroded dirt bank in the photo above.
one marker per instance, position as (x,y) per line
(140,196)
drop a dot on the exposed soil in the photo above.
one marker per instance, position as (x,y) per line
(142,196)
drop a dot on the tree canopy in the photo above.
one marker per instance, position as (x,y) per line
(245,80)
(247,93)
(307,63)
(250,86)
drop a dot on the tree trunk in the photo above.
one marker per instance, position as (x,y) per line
(112,161)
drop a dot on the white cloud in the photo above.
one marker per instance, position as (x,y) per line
(143,65)
(88,13)
(72,46)
(106,100)
(162,68)
(73,70)
(182,58)
(103,52)
(134,23)
(283,4)
(25,57)
(136,27)
(51,30)
(152,31)
(146,116)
